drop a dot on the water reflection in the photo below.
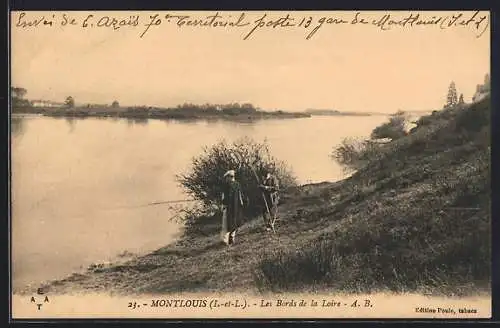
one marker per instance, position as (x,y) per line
(214,123)
(17,126)
(137,121)
(71,121)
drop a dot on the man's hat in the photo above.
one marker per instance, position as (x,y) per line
(230,173)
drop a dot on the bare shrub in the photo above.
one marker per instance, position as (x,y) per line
(250,160)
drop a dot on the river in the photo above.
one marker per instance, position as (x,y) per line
(78,184)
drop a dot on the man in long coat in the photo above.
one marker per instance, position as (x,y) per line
(232,208)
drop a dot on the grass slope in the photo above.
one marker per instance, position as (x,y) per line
(417,219)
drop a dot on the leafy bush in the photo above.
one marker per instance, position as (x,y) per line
(394,129)
(355,153)
(248,158)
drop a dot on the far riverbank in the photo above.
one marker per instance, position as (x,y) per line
(159,113)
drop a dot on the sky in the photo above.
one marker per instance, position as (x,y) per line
(350,67)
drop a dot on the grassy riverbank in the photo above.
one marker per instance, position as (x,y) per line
(417,219)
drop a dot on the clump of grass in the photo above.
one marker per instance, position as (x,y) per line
(393,129)
(356,153)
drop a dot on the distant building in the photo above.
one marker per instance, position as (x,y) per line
(482,90)
(480,95)
(46,103)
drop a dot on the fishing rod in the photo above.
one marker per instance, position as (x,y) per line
(155,203)
(171,202)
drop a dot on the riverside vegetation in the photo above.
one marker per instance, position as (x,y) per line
(414,217)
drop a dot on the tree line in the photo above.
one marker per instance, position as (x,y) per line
(18,100)
(18,95)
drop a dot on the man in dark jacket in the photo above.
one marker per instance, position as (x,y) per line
(270,189)
(232,208)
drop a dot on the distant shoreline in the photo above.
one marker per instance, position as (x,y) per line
(328,112)
(172,113)
(344,114)
(155,113)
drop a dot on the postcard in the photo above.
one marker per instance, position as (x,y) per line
(250,164)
